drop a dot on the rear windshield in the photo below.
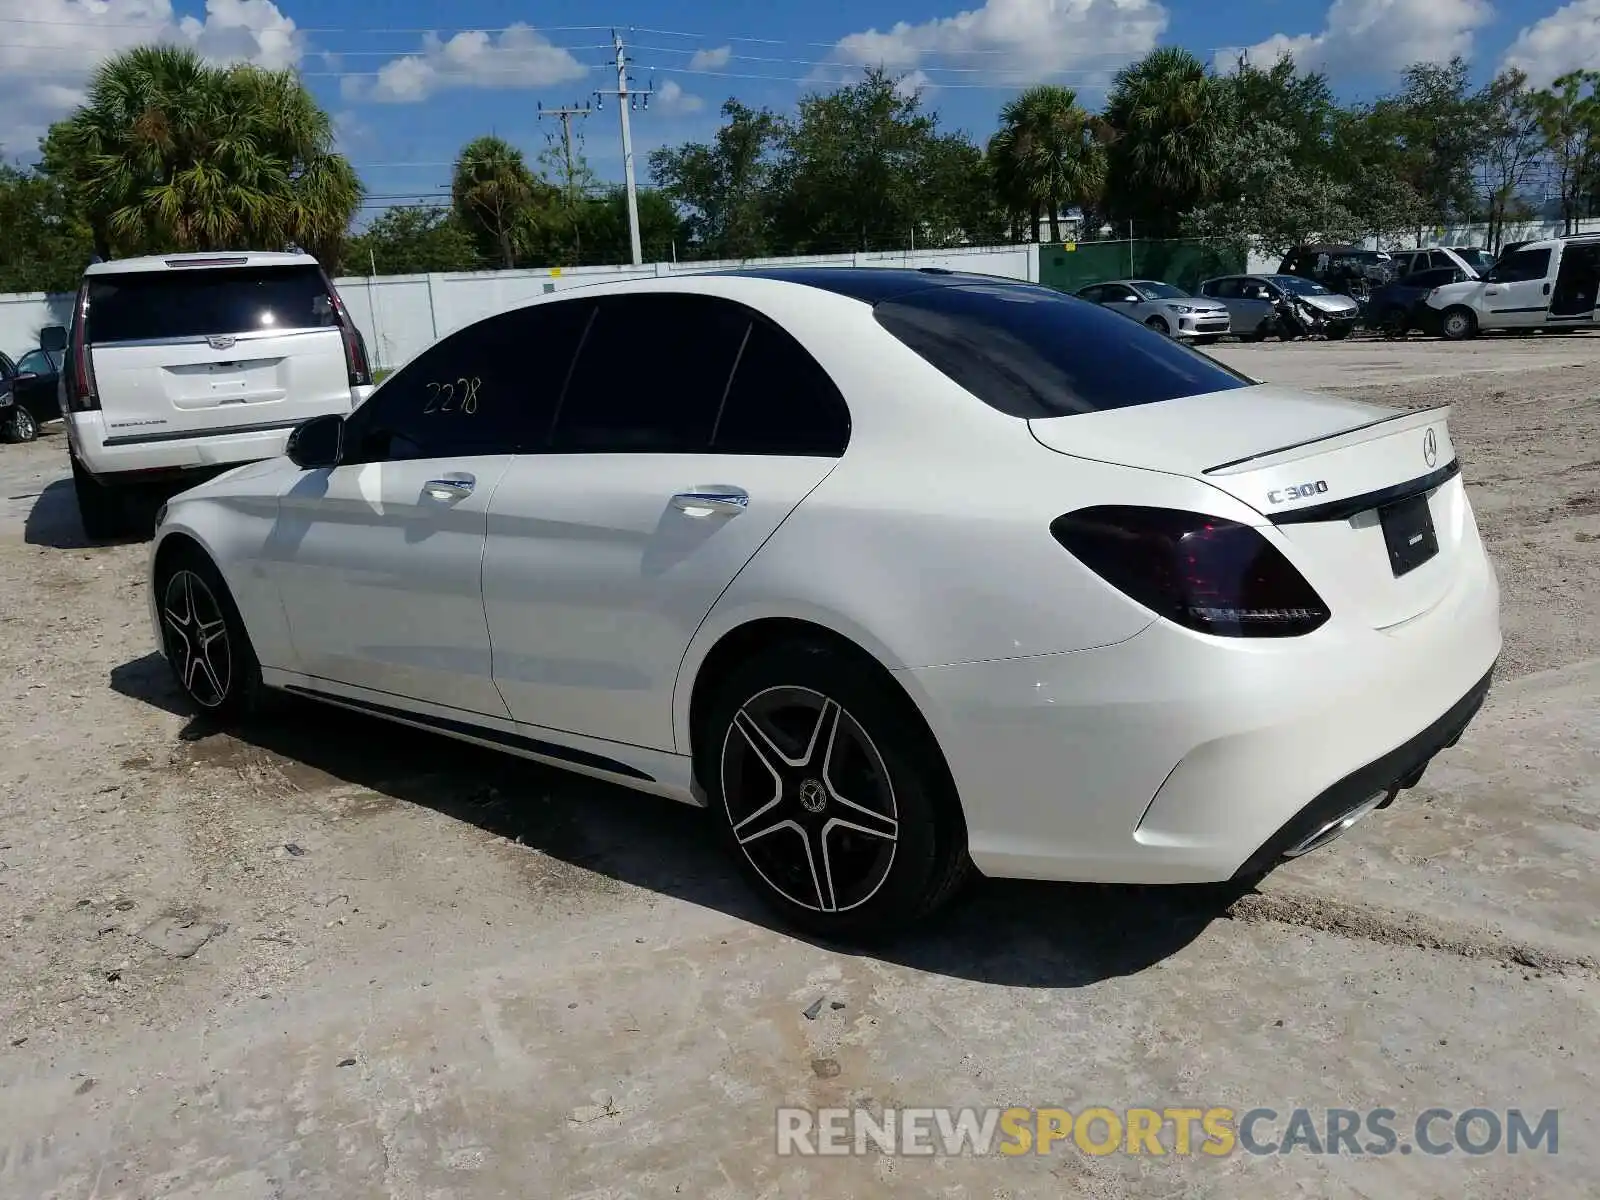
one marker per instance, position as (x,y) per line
(1032,352)
(189,302)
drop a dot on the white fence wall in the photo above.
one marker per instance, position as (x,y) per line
(401,315)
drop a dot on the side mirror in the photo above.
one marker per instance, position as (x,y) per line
(318,442)
(53,339)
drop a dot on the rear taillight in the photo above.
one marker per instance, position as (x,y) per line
(355,354)
(82,396)
(1205,573)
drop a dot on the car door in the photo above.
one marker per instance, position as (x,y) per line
(379,559)
(1516,292)
(35,385)
(1119,297)
(690,428)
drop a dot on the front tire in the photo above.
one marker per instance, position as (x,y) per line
(1459,324)
(21,427)
(1337,333)
(1159,325)
(204,638)
(831,794)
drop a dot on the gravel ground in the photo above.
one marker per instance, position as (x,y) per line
(326,958)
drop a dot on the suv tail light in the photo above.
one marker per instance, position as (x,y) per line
(81,393)
(355,353)
(1205,573)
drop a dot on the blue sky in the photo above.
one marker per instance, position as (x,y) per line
(410,80)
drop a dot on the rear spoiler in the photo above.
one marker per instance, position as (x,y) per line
(1412,420)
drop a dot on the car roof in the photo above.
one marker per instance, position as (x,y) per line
(209,260)
(871,285)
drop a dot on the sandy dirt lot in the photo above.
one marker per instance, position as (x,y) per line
(327,958)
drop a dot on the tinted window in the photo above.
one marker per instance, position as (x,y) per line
(1095,294)
(781,401)
(190,302)
(1225,288)
(485,389)
(1521,266)
(651,376)
(1433,279)
(1031,352)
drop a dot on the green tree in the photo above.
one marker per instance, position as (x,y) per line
(1047,155)
(1510,149)
(605,227)
(47,243)
(172,153)
(1438,124)
(1569,119)
(724,188)
(498,198)
(855,170)
(1166,153)
(413,240)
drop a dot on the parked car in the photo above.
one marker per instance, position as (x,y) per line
(28,394)
(1253,302)
(1162,306)
(1348,270)
(184,365)
(1552,284)
(1469,259)
(1393,307)
(1136,637)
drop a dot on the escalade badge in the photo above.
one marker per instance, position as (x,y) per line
(221,341)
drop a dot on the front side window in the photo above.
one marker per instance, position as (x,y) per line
(190,302)
(1031,352)
(1521,267)
(36,361)
(487,389)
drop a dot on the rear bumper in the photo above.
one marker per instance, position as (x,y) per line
(107,453)
(1178,758)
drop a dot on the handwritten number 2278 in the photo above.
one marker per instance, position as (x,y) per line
(460,396)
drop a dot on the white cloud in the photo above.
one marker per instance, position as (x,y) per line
(1020,41)
(1566,40)
(671,99)
(520,57)
(711,60)
(50,48)
(1375,35)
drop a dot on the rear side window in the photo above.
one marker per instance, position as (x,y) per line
(780,401)
(651,376)
(191,302)
(485,389)
(1031,352)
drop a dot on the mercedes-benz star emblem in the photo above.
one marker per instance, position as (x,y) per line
(1430,448)
(813,796)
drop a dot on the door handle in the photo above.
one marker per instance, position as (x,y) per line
(727,501)
(1492,291)
(449,489)
(1547,289)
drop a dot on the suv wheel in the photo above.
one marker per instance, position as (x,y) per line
(21,427)
(204,639)
(100,507)
(831,794)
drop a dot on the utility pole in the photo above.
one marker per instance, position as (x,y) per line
(565,115)
(626,100)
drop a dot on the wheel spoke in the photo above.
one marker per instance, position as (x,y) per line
(765,748)
(823,882)
(865,821)
(823,733)
(210,631)
(746,836)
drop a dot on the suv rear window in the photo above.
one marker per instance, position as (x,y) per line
(192,302)
(1032,352)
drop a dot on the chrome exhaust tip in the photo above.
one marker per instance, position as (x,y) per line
(1340,825)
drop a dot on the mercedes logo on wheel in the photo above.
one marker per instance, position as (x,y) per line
(813,796)
(1430,448)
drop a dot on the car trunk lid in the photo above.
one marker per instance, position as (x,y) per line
(1353,487)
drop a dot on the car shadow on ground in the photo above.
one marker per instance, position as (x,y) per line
(53,520)
(1013,933)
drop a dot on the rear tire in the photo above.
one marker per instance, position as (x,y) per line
(204,639)
(831,794)
(21,427)
(1458,324)
(100,507)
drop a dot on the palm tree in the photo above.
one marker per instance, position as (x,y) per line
(1047,154)
(1166,117)
(172,153)
(494,194)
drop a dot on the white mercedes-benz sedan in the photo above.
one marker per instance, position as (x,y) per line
(899,572)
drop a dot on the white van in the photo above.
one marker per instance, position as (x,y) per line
(182,365)
(1551,284)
